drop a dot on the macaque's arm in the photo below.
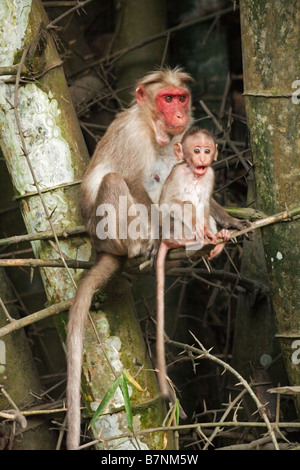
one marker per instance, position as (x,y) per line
(225,220)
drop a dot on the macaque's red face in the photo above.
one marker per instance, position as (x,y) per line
(199,151)
(168,109)
(173,106)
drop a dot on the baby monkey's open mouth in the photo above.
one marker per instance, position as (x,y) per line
(200,170)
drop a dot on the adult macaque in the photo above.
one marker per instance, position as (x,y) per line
(132,160)
(187,193)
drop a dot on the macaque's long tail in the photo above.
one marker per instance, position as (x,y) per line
(97,277)
(160,319)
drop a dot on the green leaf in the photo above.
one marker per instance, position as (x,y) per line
(127,402)
(119,381)
(106,399)
(133,382)
(177,412)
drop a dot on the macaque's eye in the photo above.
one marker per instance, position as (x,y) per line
(207,150)
(182,98)
(196,150)
(168,98)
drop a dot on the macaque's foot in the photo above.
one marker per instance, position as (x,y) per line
(241,224)
(223,234)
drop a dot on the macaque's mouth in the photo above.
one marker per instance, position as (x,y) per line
(176,129)
(199,170)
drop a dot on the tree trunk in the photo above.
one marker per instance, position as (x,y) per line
(271,50)
(48,139)
(138,20)
(20,380)
(255,345)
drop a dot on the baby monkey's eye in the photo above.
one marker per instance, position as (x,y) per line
(196,150)
(207,150)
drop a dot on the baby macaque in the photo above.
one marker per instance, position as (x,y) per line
(188,188)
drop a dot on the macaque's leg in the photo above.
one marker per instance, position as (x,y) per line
(115,193)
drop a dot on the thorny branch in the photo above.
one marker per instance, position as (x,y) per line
(203,352)
(175,271)
(199,353)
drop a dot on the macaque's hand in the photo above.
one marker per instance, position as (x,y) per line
(210,236)
(224,234)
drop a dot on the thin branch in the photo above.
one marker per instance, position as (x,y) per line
(224,416)
(224,186)
(12,70)
(236,279)
(272,219)
(34,317)
(46,263)
(6,312)
(60,4)
(61,17)
(64,233)
(225,96)
(249,285)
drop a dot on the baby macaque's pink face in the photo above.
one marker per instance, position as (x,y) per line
(199,151)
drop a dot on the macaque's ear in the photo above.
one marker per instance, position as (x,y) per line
(178,151)
(140,94)
(216,153)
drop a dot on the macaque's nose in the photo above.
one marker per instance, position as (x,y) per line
(203,156)
(181,117)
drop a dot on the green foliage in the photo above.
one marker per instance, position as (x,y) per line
(122,382)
